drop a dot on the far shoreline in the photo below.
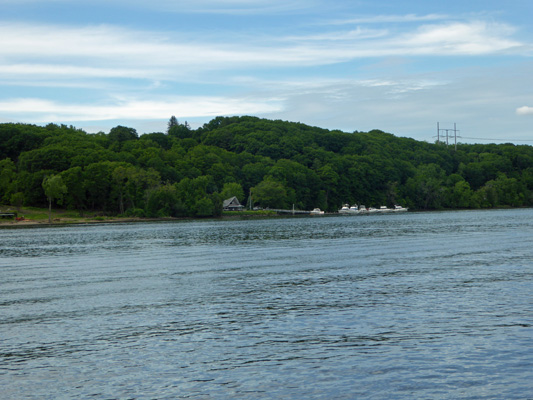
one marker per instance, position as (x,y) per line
(62,221)
(58,220)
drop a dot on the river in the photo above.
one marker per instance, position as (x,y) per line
(435,305)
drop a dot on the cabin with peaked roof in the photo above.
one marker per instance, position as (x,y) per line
(232,204)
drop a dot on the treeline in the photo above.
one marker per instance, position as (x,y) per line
(189,172)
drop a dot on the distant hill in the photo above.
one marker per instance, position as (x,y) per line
(189,172)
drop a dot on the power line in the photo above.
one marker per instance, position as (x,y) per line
(455,136)
(500,140)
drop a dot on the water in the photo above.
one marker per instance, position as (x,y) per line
(416,305)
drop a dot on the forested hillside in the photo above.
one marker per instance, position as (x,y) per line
(186,172)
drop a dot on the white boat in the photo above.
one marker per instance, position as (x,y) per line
(398,208)
(355,210)
(380,210)
(346,209)
(316,211)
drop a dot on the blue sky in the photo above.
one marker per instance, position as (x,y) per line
(399,66)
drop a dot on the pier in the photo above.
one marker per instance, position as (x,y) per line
(279,211)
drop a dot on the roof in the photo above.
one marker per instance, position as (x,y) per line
(233,201)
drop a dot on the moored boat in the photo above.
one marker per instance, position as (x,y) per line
(346,209)
(398,208)
(357,210)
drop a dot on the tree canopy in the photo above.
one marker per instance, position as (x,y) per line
(189,172)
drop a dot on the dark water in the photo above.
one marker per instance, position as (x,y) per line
(417,305)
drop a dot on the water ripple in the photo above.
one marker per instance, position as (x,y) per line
(429,305)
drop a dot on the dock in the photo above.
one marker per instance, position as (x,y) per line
(294,212)
(7,215)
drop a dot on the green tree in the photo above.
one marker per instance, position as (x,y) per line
(164,201)
(461,196)
(172,122)
(181,131)
(270,194)
(425,190)
(204,207)
(131,183)
(231,189)
(191,191)
(7,177)
(99,184)
(119,135)
(329,179)
(76,197)
(17,199)
(54,189)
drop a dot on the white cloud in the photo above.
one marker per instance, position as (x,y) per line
(111,52)
(525,110)
(379,19)
(473,38)
(38,110)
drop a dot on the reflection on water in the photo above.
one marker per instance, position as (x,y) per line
(416,305)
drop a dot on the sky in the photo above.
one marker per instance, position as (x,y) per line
(394,65)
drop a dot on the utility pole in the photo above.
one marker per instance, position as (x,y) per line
(455,134)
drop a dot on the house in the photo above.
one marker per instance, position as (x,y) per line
(232,204)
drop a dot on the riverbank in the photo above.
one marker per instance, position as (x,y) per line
(30,217)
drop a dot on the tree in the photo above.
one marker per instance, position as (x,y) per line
(164,201)
(131,183)
(99,184)
(426,187)
(173,121)
(121,134)
(461,195)
(181,131)
(76,197)
(204,207)
(7,176)
(54,189)
(329,179)
(17,199)
(270,193)
(231,189)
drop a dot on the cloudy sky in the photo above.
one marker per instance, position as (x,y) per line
(396,65)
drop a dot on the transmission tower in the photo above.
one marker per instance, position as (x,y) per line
(447,130)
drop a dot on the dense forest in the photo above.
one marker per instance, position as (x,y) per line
(274,164)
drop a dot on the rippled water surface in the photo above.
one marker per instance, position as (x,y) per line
(415,305)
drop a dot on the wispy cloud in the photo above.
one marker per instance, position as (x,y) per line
(386,70)
(473,38)
(380,19)
(108,51)
(132,109)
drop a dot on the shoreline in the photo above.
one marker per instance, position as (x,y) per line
(29,223)
(65,221)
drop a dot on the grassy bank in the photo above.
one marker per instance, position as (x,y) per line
(28,216)
(39,216)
